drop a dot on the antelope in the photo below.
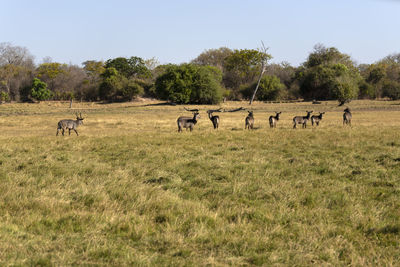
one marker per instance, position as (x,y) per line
(302,120)
(347,117)
(70,125)
(213,119)
(187,122)
(316,119)
(249,121)
(273,119)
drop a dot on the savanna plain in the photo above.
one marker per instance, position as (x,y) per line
(131,190)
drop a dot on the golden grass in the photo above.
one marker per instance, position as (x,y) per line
(130,190)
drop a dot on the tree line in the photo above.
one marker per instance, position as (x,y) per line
(214,75)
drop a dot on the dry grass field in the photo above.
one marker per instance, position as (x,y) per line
(130,190)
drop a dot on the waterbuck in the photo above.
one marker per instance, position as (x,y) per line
(274,119)
(347,117)
(316,119)
(213,119)
(249,121)
(187,122)
(70,125)
(302,120)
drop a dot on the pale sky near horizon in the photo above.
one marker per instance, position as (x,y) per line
(177,31)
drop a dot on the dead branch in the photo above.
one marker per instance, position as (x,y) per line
(191,110)
(234,110)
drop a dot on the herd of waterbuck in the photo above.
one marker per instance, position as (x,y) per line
(190,122)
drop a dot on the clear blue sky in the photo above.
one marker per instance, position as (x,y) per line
(174,31)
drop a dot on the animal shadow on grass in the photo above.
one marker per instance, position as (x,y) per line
(159,180)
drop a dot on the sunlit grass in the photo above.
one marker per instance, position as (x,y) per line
(131,190)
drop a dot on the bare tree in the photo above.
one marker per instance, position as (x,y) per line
(15,55)
(263,68)
(16,68)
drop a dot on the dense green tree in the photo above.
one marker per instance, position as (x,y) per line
(4,97)
(242,67)
(270,89)
(129,67)
(116,87)
(383,77)
(93,68)
(111,84)
(328,74)
(131,89)
(391,89)
(39,90)
(189,83)
(207,86)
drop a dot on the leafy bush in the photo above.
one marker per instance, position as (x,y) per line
(116,87)
(188,83)
(328,74)
(344,88)
(270,88)
(366,90)
(131,89)
(4,97)
(391,89)
(39,90)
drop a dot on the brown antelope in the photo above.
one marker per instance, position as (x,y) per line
(249,121)
(347,117)
(302,120)
(274,119)
(187,122)
(316,119)
(213,119)
(70,125)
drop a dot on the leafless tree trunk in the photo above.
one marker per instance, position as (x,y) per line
(258,83)
(263,67)
(234,110)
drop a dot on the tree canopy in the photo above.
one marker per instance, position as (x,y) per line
(189,83)
(222,72)
(328,74)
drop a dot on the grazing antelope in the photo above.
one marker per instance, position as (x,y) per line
(249,121)
(347,117)
(70,125)
(316,119)
(213,119)
(187,122)
(273,119)
(302,120)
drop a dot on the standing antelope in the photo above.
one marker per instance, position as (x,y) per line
(347,117)
(213,119)
(70,125)
(316,119)
(249,121)
(273,119)
(187,122)
(302,120)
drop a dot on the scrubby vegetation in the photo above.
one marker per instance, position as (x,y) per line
(215,74)
(130,190)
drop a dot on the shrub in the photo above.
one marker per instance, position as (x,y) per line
(39,90)
(391,89)
(4,97)
(190,83)
(270,89)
